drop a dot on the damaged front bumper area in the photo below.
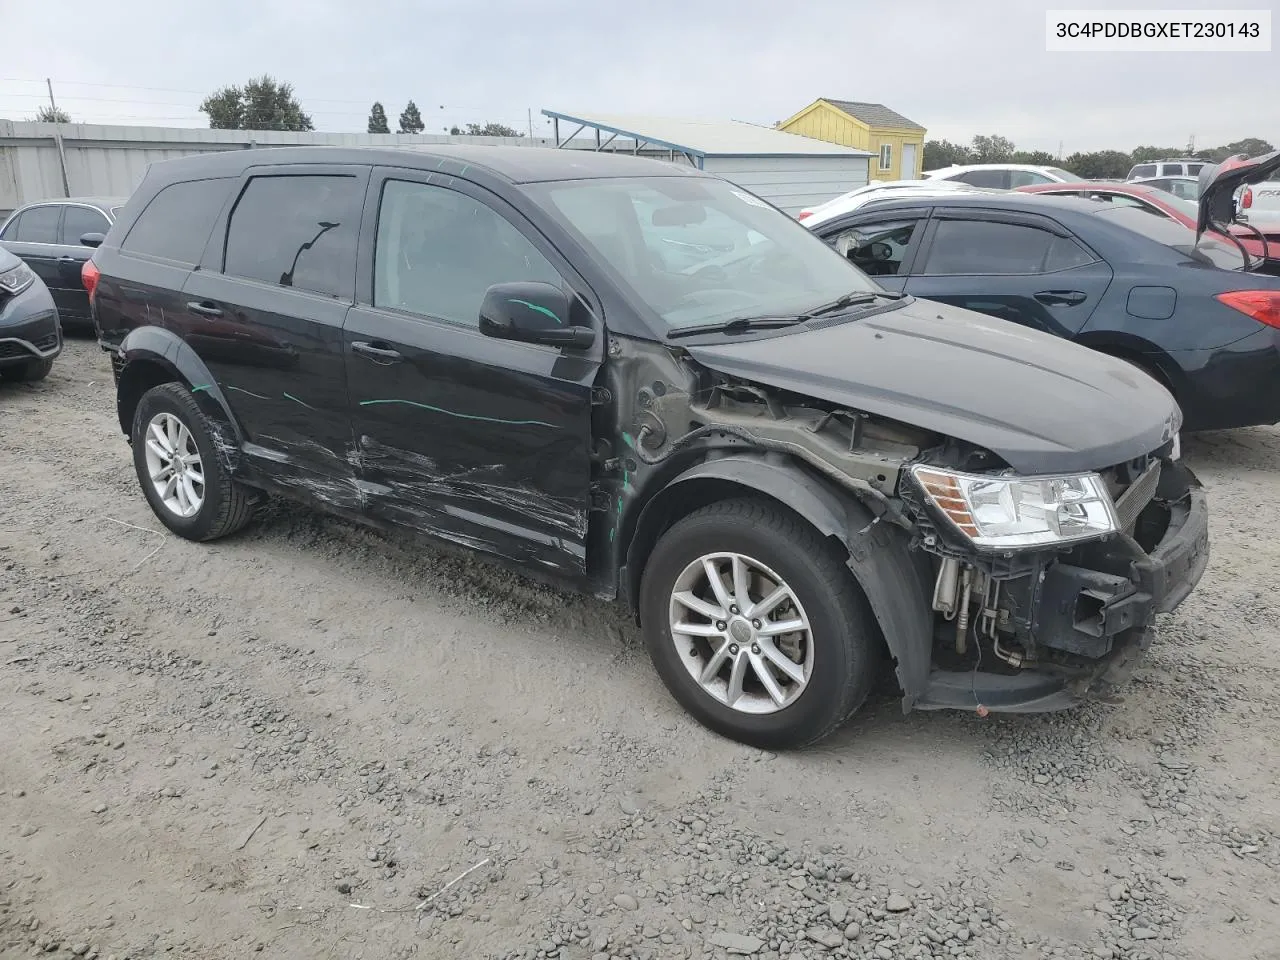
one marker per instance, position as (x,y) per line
(1045,631)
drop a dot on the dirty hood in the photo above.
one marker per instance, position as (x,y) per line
(1041,403)
(1219,183)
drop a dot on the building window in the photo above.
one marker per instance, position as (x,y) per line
(886,156)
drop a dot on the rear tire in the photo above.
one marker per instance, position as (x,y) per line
(28,372)
(831,662)
(184,480)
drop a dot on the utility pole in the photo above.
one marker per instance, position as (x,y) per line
(52,103)
(1059,150)
(531,126)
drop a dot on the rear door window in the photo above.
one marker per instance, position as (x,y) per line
(77,221)
(986,178)
(176,223)
(990,248)
(297,230)
(37,225)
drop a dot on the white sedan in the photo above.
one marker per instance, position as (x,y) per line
(883,190)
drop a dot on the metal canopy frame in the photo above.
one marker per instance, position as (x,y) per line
(639,141)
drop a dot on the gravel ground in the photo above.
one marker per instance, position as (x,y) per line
(294,742)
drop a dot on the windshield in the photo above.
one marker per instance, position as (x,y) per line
(1217,253)
(701,251)
(1065,175)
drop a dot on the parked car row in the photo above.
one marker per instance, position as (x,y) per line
(643,382)
(1101,271)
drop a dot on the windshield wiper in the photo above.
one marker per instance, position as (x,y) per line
(851,300)
(737,325)
(744,324)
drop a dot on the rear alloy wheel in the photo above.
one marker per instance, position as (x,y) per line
(174,465)
(188,486)
(27,372)
(756,625)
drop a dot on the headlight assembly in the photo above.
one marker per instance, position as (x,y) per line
(16,280)
(1013,513)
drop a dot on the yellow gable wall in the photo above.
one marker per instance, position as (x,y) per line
(822,121)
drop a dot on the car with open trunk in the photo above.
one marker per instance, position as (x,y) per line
(644,382)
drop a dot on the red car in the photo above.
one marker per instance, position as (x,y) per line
(1163,204)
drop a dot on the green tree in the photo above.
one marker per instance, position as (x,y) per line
(491,130)
(378,119)
(992,149)
(1147,154)
(1038,158)
(261,104)
(411,119)
(1249,146)
(944,153)
(52,115)
(1100,165)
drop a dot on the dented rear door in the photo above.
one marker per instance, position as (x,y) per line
(475,440)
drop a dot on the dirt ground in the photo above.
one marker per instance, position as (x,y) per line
(289,743)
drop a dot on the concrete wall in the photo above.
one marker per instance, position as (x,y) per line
(793,183)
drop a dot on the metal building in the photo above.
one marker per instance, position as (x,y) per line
(790,171)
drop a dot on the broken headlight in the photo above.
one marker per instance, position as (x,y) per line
(1014,513)
(16,280)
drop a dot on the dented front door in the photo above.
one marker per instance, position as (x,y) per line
(479,441)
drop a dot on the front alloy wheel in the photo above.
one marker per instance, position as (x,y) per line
(741,633)
(756,625)
(174,464)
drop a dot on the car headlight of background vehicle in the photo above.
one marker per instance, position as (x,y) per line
(1011,512)
(16,280)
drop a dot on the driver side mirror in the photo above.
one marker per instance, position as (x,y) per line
(92,239)
(532,312)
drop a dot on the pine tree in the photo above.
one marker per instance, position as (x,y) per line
(411,119)
(378,120)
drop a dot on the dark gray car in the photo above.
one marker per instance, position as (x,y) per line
(55,238)
(30,336)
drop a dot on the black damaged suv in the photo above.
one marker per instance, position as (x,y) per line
(642,381)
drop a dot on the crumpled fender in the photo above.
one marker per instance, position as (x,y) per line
(166,348)
(896,581)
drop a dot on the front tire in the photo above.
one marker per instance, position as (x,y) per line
(186,483)
(27,372)
(756,625)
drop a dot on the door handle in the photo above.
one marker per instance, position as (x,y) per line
(205,309)
(1061,298)
(69,260)
(377,351)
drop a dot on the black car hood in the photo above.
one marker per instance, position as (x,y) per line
(1043,404)
(1219,183)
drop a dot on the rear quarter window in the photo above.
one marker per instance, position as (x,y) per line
(177,222)
(1142,170)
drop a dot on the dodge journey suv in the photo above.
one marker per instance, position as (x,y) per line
(644,382)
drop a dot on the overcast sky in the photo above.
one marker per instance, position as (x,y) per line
(956,68)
